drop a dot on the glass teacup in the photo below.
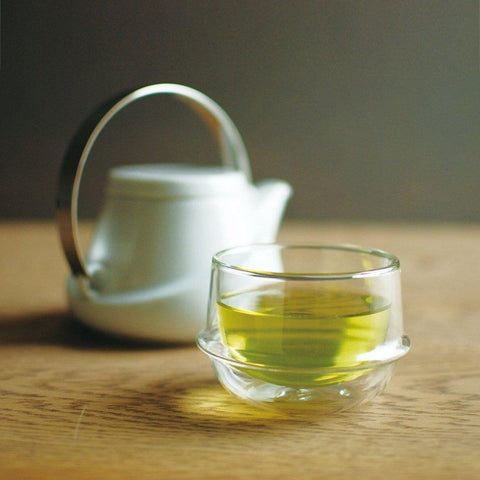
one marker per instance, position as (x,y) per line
(304,328)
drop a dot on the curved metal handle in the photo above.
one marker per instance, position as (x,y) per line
(230,142)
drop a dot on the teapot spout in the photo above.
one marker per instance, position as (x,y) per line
(273,196)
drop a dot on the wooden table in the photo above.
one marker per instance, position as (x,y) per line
(78,405)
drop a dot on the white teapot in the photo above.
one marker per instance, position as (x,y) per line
(146,275)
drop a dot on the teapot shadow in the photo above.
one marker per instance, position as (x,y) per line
(61,328)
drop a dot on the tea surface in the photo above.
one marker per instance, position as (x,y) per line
(302,327)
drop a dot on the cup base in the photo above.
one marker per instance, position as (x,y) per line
(317,401)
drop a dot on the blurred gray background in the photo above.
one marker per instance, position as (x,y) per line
(370,109)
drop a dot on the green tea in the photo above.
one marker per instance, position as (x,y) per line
(302,327)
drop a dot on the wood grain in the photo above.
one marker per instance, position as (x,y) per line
(75,404)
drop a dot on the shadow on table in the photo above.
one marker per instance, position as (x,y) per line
(190,398)
(60,328)
(196,401)
(200,405)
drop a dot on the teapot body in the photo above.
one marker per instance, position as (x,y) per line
(146,275)
(151,252)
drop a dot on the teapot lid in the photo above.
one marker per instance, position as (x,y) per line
(175,180)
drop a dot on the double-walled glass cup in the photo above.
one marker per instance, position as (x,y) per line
(304,328)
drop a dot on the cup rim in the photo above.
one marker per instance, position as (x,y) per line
(392,266)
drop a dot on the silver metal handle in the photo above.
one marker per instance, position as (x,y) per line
(232,148)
